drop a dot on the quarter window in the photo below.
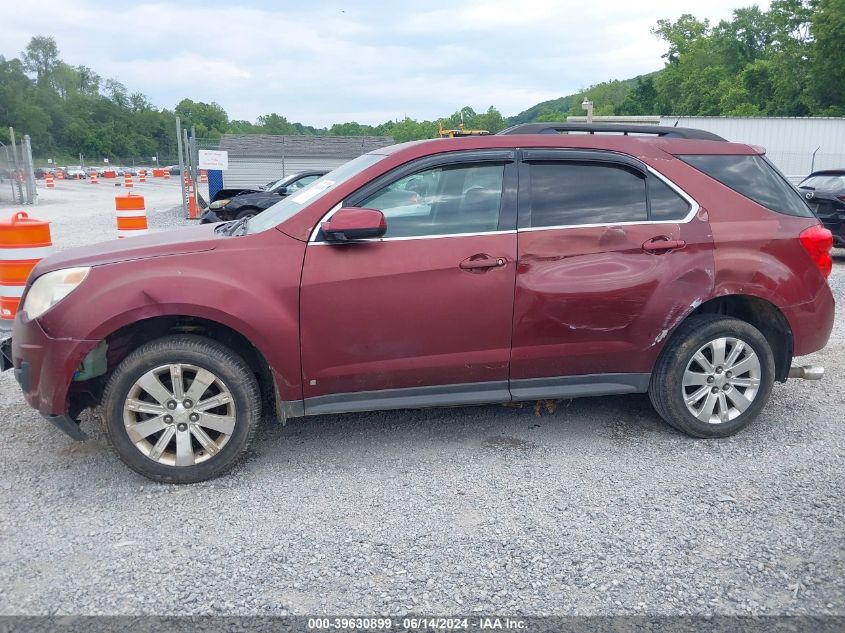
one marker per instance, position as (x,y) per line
(755,178)
(442,201)
(573,193)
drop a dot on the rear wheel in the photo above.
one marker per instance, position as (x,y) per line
(181,409)
(714,376)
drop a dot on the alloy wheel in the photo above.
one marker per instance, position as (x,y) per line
(179,414)
(721,380)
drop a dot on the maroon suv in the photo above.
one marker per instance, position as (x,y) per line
(529,265)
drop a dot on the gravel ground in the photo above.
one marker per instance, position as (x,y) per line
(596,508)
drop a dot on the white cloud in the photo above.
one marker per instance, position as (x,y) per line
(364,61)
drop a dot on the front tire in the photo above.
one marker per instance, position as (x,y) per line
(714,376)
(181,409)
(247,213)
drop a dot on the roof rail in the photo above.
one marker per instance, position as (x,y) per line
(618,128)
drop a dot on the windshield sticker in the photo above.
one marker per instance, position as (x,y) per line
(315,189)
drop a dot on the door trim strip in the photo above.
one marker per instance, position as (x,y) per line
(579,386)
(410,398)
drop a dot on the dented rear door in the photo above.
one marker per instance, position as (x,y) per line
(611,257)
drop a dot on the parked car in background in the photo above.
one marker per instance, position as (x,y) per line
(524,266)
(247,203)
(825,193)
(76,171)
(226,194)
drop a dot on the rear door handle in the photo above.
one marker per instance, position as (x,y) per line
(481,261)
(662,243)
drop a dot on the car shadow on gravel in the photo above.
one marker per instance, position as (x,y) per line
(516,428)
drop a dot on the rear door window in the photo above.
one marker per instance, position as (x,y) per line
(755,178)
(666,203)
(565,193)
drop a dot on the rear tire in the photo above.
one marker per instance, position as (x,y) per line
(181,409)
(713,377)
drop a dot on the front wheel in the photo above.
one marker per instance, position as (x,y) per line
(714,376)
(181,409)
(247,213)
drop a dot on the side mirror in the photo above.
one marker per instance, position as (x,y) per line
(351,223)
(282,191)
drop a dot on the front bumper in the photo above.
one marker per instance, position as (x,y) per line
(44,367)
(209,217)
(23,374)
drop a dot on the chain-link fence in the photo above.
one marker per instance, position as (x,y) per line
(17,174)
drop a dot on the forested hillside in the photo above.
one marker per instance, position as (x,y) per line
(786,61)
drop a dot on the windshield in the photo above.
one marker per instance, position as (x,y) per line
(826,182)
(290,206)
(281,182)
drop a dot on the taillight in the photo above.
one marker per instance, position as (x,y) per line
(818,241)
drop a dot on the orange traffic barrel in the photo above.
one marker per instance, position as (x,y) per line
(203,175)
(127,180)
(48,178)
(142,175)
(60,174)
(165,173)
(23,243)
(131,215)
(94,180)
(193,212)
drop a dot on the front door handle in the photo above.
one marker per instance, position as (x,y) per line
(662,243)
(482,261)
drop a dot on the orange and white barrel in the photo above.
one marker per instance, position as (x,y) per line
(23,243)
(60,175)
(165,173)
(93,178)
(131,215)
(193,212)
(127,180)
(48,180)
(203,175)
(142,175)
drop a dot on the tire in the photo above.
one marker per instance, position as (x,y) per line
(247,213)
(681,375)
(208,431)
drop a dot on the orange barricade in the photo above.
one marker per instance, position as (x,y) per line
(127,180)
(131,215)
(94,180)
(142,175)
(23,243)
(48,180)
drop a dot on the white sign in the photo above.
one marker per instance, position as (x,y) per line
(213,159)
(106,161)
(49,161)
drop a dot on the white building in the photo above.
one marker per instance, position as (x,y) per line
(796,145)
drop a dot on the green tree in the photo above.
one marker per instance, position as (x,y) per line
(827,72)
(41,57)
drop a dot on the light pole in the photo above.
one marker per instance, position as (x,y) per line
(588,106)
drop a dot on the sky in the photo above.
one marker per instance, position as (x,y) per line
(368,61)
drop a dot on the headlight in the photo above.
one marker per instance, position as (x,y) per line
(50,288)
(219,204)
